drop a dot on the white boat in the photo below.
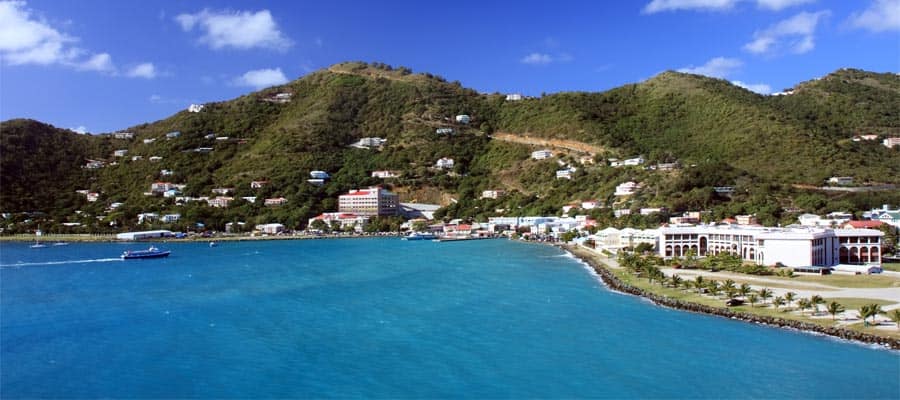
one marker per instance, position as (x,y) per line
(38,245)
(420,236)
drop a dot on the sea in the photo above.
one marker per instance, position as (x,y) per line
(384,318)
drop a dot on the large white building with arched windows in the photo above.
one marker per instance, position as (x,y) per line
(793,247)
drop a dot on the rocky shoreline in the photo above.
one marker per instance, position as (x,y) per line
(614,283)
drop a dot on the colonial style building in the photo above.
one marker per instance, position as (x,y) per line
(794,247)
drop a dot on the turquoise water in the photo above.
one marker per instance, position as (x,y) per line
(384,318)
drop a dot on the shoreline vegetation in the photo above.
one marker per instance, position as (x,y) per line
(614,283)
(111,238)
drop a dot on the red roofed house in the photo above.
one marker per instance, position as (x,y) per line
(371,201)
(862,224)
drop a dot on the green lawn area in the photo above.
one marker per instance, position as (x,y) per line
(851,281)
(891,267)
(852,303)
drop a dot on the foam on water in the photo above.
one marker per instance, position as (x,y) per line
(46,263)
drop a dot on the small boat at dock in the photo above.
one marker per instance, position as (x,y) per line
(420,236)
(152,252)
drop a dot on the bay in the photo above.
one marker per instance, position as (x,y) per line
(384,318)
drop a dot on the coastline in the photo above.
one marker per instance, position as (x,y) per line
(236,238)
(613,282)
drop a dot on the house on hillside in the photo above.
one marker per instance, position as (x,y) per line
(541,154)
(150,140)
(195,108)
(514,97)
(444,131)
(275,202)
(219,201)
(385,174)
(891,142)
(627,188)
(223,191)
(123,135)
(492,194)
(841,180)
(444,163)
(463,119)
(258,184)
(173,135)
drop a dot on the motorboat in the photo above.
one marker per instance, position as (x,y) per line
(152,252)
(420,236)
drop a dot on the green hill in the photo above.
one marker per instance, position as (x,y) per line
(761,145)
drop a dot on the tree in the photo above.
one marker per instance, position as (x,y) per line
(789,298)
(765,294)
(834,308)
(744,290)
(778,302)
(675,280)
(319,225)
(894,315)
(803,304)
(752,298)
(870,310)
(713,287)
(699,283)
(814,302)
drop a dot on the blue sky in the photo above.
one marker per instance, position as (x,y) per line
(102,66)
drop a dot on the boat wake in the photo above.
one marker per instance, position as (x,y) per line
(46,263)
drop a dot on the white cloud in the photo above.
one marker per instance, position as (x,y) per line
(29,40)
(760,88)
(81,130)
(795,34)
(718,67)
(241,30)
(776,5)
(144,70)
(261,78)
(656,6)
(537,59)
(98,62)
(544,58)
(882,15)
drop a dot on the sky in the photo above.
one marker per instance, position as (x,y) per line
(101,66)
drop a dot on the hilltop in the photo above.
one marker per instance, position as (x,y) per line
(722,134)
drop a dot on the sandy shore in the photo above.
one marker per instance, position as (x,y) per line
(602,266)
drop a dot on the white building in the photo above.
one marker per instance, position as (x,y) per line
(346,220)
(319,175)
(368,142)
(195,108)
(492,194)
(385,174)
(444,163)
(155,158)
(463,119)
(165,172)
(444,131)
(371,201)
(92,197)
(161,187)
(219,201)
(258,184)
(123,135)
(793,247)
(274,202)
(144,235)
(150,140)
(173,135)
(222,191)
(613,239)
(541,154)
(833,220)
(270,229)
(171,218)
(633,161)
(565,173)
(514,97)
(137,158)
(891,142)
(120,153)
(841,180)
(627,188)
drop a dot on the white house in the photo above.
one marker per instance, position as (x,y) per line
(463,119)
(346,220)
(120,153)
(150,140)
(589,204)
(541,154)
(385,174)
(219,201)
(274,202)
(222,191)
(514,97)
(195,108)
(369,142)
(165,172)
(173,135)
(170,218)
(444,131)
(92,197)
(270,229)
(627,188)
(137,158)
(444,163)
(319,175)
(258,184)
(123,135)
(841,180)
(633,161)
(891,142)
(155,158)
(492,194)
(565,173)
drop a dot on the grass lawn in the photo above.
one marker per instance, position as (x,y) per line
(852,303)
(891,266)
(851,281)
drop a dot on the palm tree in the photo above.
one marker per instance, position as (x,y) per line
(676,280)
(699,283)
(789,298)
(744,290)
(713,287)
(874,309)
(834,308)
(894,315)
(778,302)
(814,302)
(803,304)
(729,288)
(765,294)
(752,298)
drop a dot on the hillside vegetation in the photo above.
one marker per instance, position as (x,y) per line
(721,134)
